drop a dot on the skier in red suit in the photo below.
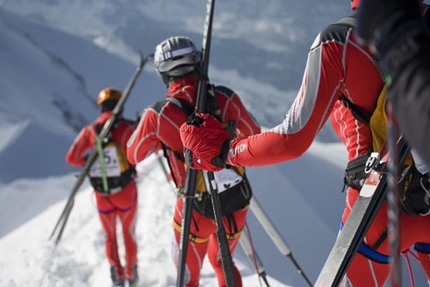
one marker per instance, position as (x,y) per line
(177,60)
(338,67)
(121,200)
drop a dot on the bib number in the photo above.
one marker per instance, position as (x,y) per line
(112,164)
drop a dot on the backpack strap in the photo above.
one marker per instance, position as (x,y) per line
(182,104)
(211,104)
(98,128)
(188,110)
(165,148)
(358,113)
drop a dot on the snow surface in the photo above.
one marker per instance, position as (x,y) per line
(56,55)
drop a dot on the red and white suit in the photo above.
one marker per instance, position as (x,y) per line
(122,204)
(336,64)
(160,123)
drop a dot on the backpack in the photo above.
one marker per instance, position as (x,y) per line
(234,190)
(414,187)
(113,173)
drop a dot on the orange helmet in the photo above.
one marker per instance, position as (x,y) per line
(354,4)
(108,94)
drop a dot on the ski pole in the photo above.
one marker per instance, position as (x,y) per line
(245,242)
(276,237)
(224,247)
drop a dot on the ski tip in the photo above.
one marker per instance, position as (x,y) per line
(144,59)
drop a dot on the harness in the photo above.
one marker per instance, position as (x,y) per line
(201,240)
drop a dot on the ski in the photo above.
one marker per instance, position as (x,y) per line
(191,175)
(371,196)
(61,222)
(190,182)
(99,147)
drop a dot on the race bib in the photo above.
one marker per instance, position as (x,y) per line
(225,179)
(111,163)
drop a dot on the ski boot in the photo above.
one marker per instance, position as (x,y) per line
(117,277)
(132,282)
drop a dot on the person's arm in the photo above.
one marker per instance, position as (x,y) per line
(307,115)
(76,154)
(291,138)
(143,141)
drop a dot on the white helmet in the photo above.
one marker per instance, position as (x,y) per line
(176,56)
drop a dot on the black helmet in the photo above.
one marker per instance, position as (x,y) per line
(176,56)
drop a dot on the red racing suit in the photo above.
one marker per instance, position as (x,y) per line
(336,64)
(122,204)
(159,124)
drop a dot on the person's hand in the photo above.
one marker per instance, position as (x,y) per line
(206,142)
(383,24)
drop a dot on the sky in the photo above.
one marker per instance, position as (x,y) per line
(57,55)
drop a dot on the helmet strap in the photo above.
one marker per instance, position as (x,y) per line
(166,79)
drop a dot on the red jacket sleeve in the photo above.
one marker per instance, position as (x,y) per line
(144,141)
(83,142)
(335,64)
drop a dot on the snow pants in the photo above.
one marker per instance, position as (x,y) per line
(414,232)
(204,231)
(122,205)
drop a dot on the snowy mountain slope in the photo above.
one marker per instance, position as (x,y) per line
(79,258)
(47,73)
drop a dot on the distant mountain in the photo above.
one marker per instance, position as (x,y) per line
(40,107)
(262,42)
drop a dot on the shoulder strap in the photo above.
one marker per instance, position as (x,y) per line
(212,106)
(358,113)
(98,127)
(182,104)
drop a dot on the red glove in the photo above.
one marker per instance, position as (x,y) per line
(206,142)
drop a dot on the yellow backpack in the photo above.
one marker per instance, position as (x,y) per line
(110,171)
(414,186)
(379,124)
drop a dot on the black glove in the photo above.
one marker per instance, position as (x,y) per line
(384,24)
